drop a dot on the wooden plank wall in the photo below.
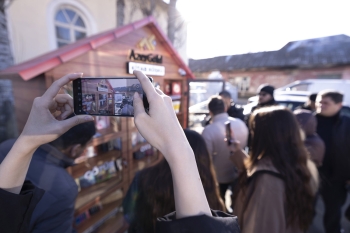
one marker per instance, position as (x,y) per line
(24,93)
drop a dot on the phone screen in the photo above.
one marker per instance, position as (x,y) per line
(228,132)
(107,96)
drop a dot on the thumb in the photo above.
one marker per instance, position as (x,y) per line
(138,105)
(76,120)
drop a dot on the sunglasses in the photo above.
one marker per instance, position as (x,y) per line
(262,94)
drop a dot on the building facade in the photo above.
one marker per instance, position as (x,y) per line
(40,26)
(319,58)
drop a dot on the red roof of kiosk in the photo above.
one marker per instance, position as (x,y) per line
(32,68)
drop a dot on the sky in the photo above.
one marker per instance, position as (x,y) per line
(227,27)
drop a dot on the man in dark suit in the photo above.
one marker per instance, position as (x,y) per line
(47,170)
(233,110)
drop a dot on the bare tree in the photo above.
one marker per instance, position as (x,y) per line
(120,12)
(6,58)
(172,20)
(147,7)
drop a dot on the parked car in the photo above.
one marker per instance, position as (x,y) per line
(292,105)
(309,86)
(289,101)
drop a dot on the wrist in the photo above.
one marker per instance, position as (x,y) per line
(178,152)
(27,143)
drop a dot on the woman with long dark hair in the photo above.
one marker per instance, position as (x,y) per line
(151,193)
(277,182)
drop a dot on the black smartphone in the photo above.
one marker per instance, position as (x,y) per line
(107,96)
(228,132)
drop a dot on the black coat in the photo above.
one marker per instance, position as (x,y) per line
(235,111)
(219,222)
(55,211)
(16,209)
(336,165)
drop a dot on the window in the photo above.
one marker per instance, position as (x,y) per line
(242,83)
(69,26)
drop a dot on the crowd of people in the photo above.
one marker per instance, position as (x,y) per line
(276,163)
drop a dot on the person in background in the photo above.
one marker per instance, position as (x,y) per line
(47,121)
(266,99)
(233,110)
(127,108)
(265,93)
(310,104)
(312,141)
(47,170)
(277,183)
(334,129)
(214,135)
(151,193)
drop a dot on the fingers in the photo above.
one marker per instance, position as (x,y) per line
(147,86)
(138,105)
(53,90)
(64,99)
(76,120)
(62,103)
(159,91)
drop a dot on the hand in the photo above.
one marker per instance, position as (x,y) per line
(238,156)
(46,119)
(162,130)
(235,145)
(160,127)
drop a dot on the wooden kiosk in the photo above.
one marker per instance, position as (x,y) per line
(103,173)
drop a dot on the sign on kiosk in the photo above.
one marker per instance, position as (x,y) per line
(146,68)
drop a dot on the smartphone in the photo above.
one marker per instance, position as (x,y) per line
(228,132)
(107,96)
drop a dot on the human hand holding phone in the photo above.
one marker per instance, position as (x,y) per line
(46,122)
(161,128)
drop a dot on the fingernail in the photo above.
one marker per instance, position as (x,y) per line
(88,118)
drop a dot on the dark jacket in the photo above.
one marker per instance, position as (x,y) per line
(16,209)
(219,222)
(54,212)
(235,111)
(313,142)
(267,104)
(305,107)
(336,162)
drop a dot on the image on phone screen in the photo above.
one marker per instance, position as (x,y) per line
(106,96)
(228,132)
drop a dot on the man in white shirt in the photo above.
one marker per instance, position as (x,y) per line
(214,136)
